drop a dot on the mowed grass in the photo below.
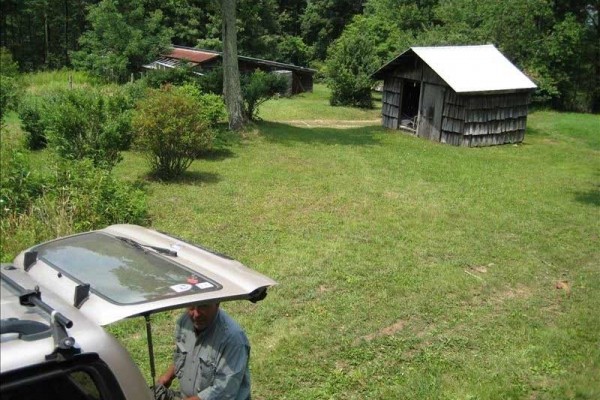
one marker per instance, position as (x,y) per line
(315,106)
(407,269)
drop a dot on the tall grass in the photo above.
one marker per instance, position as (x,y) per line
(58,78)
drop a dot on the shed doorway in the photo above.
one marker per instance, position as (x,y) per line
(410,104)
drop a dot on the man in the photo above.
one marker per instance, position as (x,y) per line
(210,359)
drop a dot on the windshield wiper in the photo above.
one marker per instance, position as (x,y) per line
(143,247)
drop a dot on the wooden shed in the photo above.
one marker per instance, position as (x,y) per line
(461,95)
(300,79)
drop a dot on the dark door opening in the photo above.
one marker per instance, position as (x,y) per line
(410,104)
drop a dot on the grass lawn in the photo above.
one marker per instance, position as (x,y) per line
(315,106)
(406,268)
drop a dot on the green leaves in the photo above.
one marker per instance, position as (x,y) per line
(259,87)
(350,63)
(84,123)
(169,126)
(121,40)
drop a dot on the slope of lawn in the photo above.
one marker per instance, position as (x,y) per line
(406,268)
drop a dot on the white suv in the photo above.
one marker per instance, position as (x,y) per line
(56,296)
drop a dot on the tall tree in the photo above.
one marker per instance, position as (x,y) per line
(231,73)
(324,20)
(41,33)
(122,39)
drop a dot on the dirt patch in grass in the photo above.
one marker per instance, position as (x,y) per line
(320,123)
(387,331)
(518,292)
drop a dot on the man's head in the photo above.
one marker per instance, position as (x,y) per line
(202,315)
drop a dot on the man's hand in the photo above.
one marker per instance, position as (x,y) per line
(167,378)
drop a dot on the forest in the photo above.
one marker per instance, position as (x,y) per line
(556,43)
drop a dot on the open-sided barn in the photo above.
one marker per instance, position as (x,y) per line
(461,95)
(300,78)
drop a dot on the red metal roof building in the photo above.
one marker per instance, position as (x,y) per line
(301,78)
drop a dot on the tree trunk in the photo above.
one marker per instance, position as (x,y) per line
(46,40)
(231,73)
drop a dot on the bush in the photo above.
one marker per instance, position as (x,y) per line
(9,87)
(8,95)
(72,196)
(31,112)
(212,107)
(19,186)
(8,66)
(350,63)
(259,87)
(94,197)
(173,76)
(83,123)
(212,81)
(168,124)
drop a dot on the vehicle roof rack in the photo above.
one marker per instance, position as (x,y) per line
(64,345)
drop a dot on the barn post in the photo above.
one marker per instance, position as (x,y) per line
(418,128)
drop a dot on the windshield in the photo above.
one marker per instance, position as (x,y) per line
(120,272)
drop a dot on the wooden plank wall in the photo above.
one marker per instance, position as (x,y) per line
(484,120)
(390,109)
(453,119)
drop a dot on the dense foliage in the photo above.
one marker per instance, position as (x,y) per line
(31,112)
(259,87)
(557,43)
(8,83)
(351,61)
(170,127)
(63,198)
(84,123)
(121,39)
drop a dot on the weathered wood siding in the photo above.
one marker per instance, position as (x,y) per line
(484,120)
(390,99)
(453,120)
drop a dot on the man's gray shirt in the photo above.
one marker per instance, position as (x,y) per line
(214,364)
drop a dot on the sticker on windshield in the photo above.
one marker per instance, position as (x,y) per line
(204,285)
(182,287)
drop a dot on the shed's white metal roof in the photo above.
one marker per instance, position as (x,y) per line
(474,68)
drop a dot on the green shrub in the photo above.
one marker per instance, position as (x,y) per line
(168,124)
(173,76)
(212,81)
(350,62)
(9,88)
(8,66)
(259,87)
(31,112)
(70,197)
(19,186)
(212,107)
(87,124)
(8,95)
(134,91)
(95,197)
